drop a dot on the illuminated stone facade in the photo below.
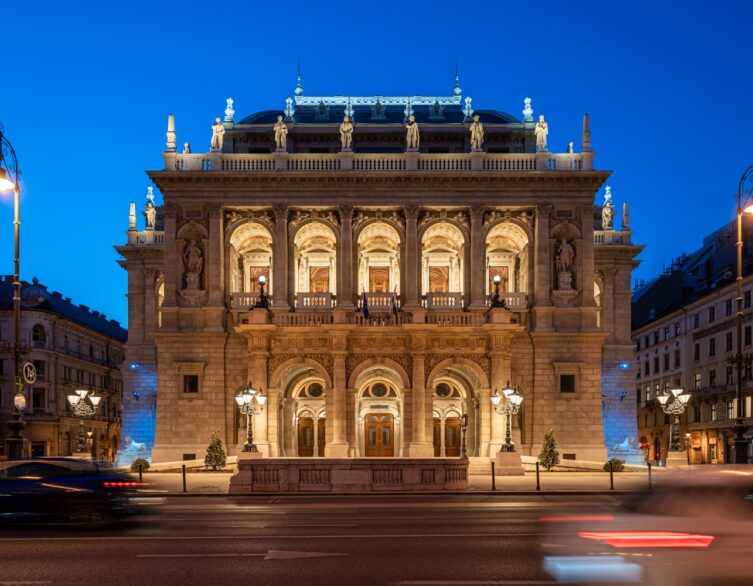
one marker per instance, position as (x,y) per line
(419,236)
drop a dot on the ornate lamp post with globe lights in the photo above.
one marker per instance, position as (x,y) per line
(263,302)
(512,402)
(674,403)
(497,301)
(84,404)
(9,181)
(251,402)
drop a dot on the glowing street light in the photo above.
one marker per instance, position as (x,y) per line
(251,402)
(513,399)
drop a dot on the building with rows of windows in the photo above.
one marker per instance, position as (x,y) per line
(379,256)
(684,336)
(72,347)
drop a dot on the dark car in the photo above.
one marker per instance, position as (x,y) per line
(64,489)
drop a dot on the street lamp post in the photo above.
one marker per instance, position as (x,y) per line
(251,402)
(84,404)
(675,407)
(741,444)
(497,301)
(9,180)
(263,302)
(512,402)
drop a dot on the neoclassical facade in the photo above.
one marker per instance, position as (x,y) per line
(416,228)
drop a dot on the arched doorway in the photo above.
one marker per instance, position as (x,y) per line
(455,395)
(379,408)
(303,418)
(315,266)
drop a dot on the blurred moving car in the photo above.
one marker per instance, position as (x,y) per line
(694,528)
(65,489)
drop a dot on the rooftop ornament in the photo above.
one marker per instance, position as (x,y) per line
(527,110)
(229,111)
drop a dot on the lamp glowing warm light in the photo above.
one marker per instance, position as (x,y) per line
(508,390)
(497,279)
(262,280)
(19,401)
(95,399)
(261,398)
(495,398)
(5,183)
(73,399)
(663,399)
(748,209)
(677,392)
(516,399)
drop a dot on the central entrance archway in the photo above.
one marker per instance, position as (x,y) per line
(379,440)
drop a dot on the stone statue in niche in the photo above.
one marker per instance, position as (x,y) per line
(563,263)
(477,134)
(218,135)
(281,135)
(412,137)
(607,211)
(542,131)
(346,133)
(194,259)
(150,210)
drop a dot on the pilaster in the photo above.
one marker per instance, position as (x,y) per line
(280,300)
(477,259)
(345,258)
(412,273)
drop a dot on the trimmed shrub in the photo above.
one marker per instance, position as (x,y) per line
(617,465)
(142,463)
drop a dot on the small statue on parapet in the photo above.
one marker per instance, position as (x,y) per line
(412,137)
(281,135)
(218,135)
(477,134)
(346,134)
(541,130)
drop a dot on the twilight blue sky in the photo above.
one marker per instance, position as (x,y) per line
(87,87)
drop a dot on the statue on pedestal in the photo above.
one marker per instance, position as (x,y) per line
(412,138)
(477,134)
(563,263)
(607,211)
(281,134)
(186,148)
(150,211)
(194,259)
(346,133)
(218,135)
(541,130)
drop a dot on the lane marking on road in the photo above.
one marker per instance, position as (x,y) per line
(272,554)
(477,582)
(344,536)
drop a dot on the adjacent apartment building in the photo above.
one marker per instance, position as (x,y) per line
(72,347)
(684,336)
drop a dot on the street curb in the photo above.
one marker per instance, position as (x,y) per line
(411,493)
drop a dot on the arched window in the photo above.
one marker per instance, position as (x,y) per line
(39,336)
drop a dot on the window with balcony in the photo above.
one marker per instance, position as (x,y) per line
(250,257)
(39,400)
(379,263)
(713,411)
(443,268)
(712,377)
(41,367)
(697,380)
(315,266)
(507,256)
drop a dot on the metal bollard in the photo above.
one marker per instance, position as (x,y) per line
(649,475)
(538,479)
(141,472)
(494,480)
(184,478)
(611,475)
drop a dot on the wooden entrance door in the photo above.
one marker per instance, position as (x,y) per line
(305,437)
(322,423)
(380,435)
(452,437)
(437,437)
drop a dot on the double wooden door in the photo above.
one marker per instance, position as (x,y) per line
(380,435)
(451,437)
(307,441)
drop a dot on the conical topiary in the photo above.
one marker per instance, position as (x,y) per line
(549,456)
(215,458)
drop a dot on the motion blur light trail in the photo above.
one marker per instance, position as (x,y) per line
(585,569)
(630,539)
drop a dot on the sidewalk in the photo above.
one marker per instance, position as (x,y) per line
(217,482)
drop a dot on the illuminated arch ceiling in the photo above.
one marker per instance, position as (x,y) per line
(508,236)
(315,236)
(251,235)
(379,235)
(443,235)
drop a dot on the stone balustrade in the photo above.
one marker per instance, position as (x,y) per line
(348,475)
(146,237)
(378,162)
(314,301)
(378,302)
(613,237)
(444,301)
(244,300)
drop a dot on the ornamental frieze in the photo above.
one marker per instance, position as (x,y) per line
(461,343)
(299,343)
(232,216)
(324,360)
(300,216)
(352,361)
(393,217)
(493,216)
(457,216)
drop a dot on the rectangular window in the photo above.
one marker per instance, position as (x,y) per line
(677,328)
(713,411)
(645,341)
(730,377)
(40,367)
(696,415)
(697,320)
(677,359)
(697,381)
(746,299)
(39,399)
(712,377)
(638,345)
(728,307)
(656,364)
(567,383)
(712,314)
(666,333)
(2,367)
(746,336)
(190,383)
(656,337)
(747,371)
(646,368)
(697,351)
(666,362)
(712,347)
(728,342)
(730,410)
(648,393)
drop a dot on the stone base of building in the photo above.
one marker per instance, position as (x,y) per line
(349,475)
(508,464)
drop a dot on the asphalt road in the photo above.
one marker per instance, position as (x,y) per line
(408,540)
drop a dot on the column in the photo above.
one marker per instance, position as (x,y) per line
(261,421)
(214,267)
(501,371)
(411,258)
(486,413)
(587,256)
(543,264)
(441,437)
(338,447)
(477,259)
(419,448)
(280,266)
(172,262)
(345,278)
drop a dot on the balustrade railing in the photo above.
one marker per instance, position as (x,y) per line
(147,237)
(381,320)
(242,300)
(513,301)
(613,236)
(313,301)
(261,162)
(472,319)
(378,302)
(301,319)
(444,301)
